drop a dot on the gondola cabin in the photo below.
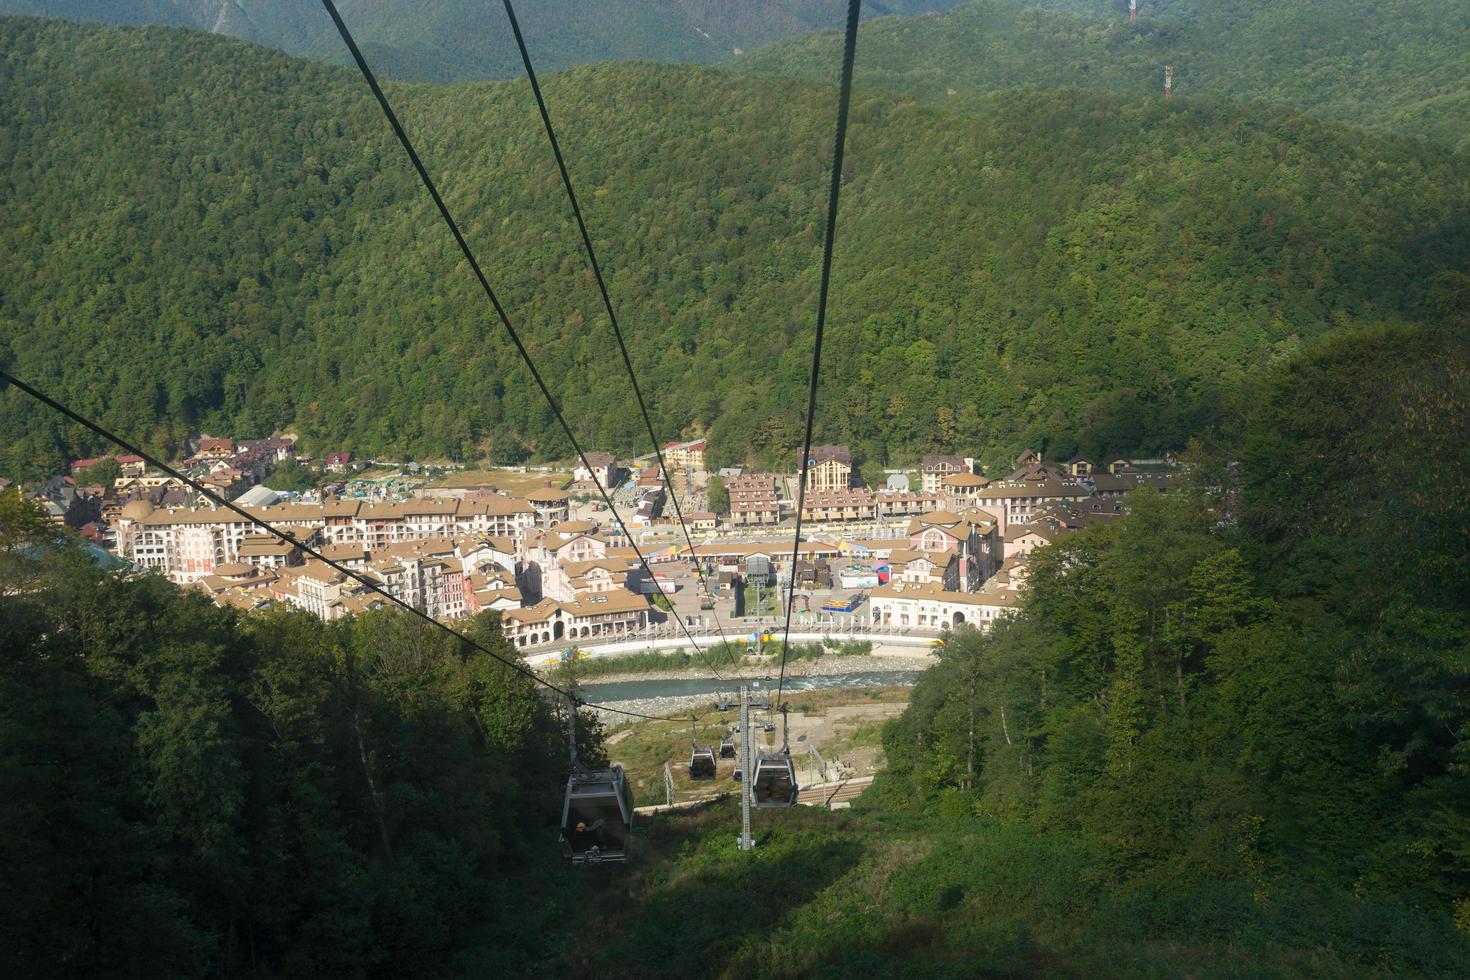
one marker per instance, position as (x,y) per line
(596,816)
(727,748)
(775,780)
(701,763)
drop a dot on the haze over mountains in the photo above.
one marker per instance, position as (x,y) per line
(457,40)
(204,233)
(1396,66)
(1389,66)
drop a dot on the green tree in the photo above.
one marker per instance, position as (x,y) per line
(104,473)
(717,495)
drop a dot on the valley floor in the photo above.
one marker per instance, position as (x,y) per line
(843,725)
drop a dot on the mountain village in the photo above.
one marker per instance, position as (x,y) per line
(928,550)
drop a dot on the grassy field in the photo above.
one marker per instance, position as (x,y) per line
(869,893)
(513,483)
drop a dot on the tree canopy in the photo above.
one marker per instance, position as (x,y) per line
(1258,683)
(186,792)
(206,235)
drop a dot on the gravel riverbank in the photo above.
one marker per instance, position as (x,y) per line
(889,659)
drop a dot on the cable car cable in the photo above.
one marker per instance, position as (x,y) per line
(356,576)
(566,182)
(844,100)
(429,185)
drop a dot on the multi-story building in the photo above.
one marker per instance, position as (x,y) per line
(905,503)
(487,554)
(491,590)
(838,505)
(931,606)
(961,490)
(828,468)
(924,567)
(605,471)
(594,616)
(186,544)
(689,455)
(1112,485)
(973,537)
(340,462)
(863,505)
(551,506)
(1017,501)
(597,575)
(546,557)
(753,499)
(317,588)
(1022,539)
(216,449)
(274,450)
(267,552)
(424,574)
(935,469)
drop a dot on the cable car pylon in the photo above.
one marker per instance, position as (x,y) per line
(747,842)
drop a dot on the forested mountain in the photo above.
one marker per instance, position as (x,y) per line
(458,40)
(203,233)
(1395,66)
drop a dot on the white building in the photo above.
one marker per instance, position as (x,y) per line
(929,606)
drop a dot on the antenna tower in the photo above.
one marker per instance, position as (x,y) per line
(1133,10)
(1168,82)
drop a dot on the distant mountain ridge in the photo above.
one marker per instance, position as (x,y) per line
(1396,66)
(461,40)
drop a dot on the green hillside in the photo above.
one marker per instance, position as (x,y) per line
(460,40)
(1396,66)
(200,233)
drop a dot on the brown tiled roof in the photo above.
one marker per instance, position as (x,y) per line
(344,552)
(604,603)
(1046,488)
(539,613)
(824,454)
(934,591)
(260,545)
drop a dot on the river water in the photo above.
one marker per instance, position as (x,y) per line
(692,687)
